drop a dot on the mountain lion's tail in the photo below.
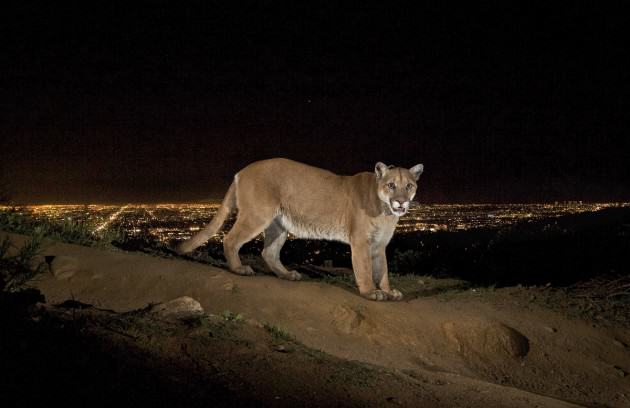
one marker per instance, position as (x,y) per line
(228,204)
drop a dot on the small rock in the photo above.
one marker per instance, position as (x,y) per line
(620,371)
(281,349)
(183,307)
(228,286)
(551,329)
(64,267)
(254,323)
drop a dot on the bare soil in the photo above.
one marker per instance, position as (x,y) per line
(319,344)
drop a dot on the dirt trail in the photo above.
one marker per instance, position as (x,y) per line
(509,353)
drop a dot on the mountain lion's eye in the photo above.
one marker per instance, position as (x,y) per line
(409,186)
(391,186)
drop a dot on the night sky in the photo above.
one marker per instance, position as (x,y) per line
(502,102)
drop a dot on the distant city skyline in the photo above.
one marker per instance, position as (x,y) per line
(217,201)
(165,222)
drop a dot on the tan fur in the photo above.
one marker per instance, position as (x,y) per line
(278,196)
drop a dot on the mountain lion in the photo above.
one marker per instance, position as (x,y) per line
(279,196)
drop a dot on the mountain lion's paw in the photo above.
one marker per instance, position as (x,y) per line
(395,294)
(245,270)
(376,294)
(294,276)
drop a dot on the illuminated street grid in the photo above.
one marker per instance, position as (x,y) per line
(168,222)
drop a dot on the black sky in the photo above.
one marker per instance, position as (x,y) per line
(501,102)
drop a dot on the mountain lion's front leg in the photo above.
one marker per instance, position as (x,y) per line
(380,275)
(362,266)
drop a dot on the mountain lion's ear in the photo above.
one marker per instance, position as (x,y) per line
(380,169)
(417,170)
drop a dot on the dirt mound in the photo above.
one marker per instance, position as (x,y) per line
(483,339)
(488,349)
(353,320)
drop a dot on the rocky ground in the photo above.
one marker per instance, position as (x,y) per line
(261,340)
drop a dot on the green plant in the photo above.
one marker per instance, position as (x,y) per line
(231,317)
(278,333)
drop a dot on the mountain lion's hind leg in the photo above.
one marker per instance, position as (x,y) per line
(246,227)
(275,237)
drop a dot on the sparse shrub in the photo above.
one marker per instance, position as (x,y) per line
(11,220)
(278,333)
(74,232)
(5,244)
(32,247)
(16,270)
(232,317)
(109,236)
(606,297)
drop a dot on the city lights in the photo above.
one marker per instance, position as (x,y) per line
(175,222)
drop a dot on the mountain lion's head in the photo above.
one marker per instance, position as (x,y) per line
(396,186)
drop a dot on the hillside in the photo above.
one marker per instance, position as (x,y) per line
(450,351)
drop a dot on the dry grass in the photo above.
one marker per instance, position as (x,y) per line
(604,289)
